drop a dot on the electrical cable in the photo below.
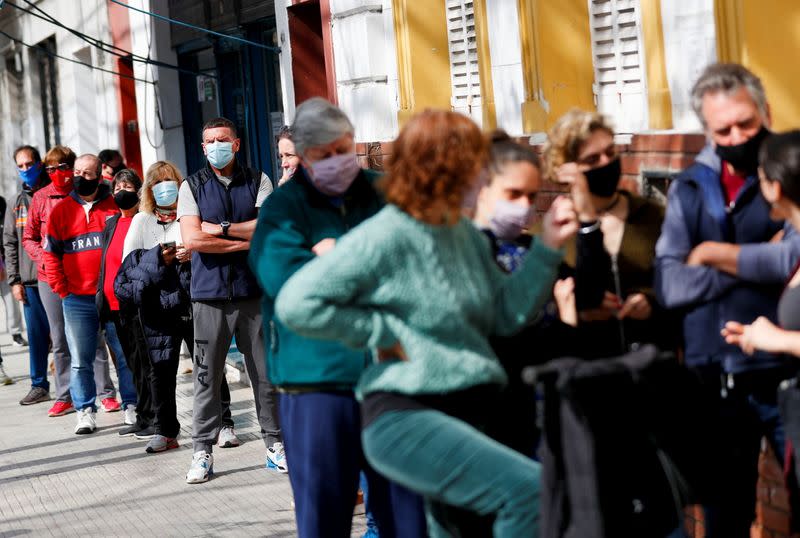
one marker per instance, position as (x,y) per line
(193,27)
(102,45)
(54,55)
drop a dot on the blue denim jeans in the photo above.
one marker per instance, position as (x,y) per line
(38,336)
(127,389)
(81,325)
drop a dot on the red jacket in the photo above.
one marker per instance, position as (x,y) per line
(34,236)
(74,243)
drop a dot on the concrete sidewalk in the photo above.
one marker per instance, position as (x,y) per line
(56,483)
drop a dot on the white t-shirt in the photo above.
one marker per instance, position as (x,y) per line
(146,232)
(188,206)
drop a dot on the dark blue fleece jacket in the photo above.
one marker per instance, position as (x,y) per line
(708,298)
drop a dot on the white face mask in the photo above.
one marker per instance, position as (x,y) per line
(509,220)
(334,175)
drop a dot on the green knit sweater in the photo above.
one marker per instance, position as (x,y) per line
(434,289)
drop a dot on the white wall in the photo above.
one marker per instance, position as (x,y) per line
(366,66)
(506,55)
(689,46)
(159,140)
(86,98)
(285,59)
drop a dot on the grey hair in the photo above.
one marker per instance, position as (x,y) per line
(318,122)
(728,78)
(97,160)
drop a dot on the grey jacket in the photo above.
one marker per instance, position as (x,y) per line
(19,266)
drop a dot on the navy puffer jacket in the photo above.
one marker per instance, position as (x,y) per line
(160,293)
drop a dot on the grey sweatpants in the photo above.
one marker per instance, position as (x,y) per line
(215,323)
(61,357)
(13,309)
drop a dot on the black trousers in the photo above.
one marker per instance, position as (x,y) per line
(131,338)
(163,386)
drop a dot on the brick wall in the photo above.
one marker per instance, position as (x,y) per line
(663,154)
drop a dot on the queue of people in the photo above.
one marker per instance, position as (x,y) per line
(385,319)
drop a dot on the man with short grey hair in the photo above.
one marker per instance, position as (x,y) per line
(721,258)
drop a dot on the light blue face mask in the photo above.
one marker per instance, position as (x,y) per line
(165,193)
(219,154)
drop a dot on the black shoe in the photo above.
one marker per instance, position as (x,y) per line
(127,431)
(19,341)
(146,433)
(34,396)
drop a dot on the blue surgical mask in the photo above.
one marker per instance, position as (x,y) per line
(31,176)
(165,193)
(219,154)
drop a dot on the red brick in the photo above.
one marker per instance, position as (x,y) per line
(673,143)
(655,161)
(769,469)
(631,163)
(772,519)
(387,147)
(361,148)
(763,491)
(680,161)
(630,184)
(780,498)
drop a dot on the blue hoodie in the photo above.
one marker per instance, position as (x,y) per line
(696,212)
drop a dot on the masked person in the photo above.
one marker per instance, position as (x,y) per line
(112,162)
(718,260)
(616,242)
(125,189)
(72,257)
(217,210)
(329,195)
(21,271)
(59,162)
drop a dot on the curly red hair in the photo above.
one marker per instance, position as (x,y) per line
(435,160)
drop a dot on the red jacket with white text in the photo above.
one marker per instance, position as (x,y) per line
(74,242)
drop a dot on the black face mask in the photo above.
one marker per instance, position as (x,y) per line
(126,199)
(86,187)
(603,181)
(744,156)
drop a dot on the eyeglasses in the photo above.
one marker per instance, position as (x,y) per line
(63,167)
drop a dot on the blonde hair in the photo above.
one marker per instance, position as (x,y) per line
(568,135)
(158,171)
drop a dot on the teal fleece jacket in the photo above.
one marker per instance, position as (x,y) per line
(434,289)
(292,220)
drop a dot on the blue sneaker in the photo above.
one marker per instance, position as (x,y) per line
(276,458)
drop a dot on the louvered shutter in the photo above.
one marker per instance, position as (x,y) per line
(464,73)
(617,52)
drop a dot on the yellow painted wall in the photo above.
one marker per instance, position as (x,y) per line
(565,56)
(770,48)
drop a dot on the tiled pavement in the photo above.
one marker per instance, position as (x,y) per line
(55,483)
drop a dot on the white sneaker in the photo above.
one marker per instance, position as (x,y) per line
(202,468)
(129,415)
(86,421)
(276,458)
(4,379)
(227,438)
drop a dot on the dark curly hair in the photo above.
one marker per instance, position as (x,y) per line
(435,160)
(780,161)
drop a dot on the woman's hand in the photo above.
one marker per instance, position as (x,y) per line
(183,254)
(560,223)
(396,352)
(564,293)
(169,254)
(569,174)
(287,175)
(324,246)
(761,335)
(636,306)
(608,309)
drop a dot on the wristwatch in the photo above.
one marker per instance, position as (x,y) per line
(225,227)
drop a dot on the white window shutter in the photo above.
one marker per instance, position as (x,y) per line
(464,72)
(619,87)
